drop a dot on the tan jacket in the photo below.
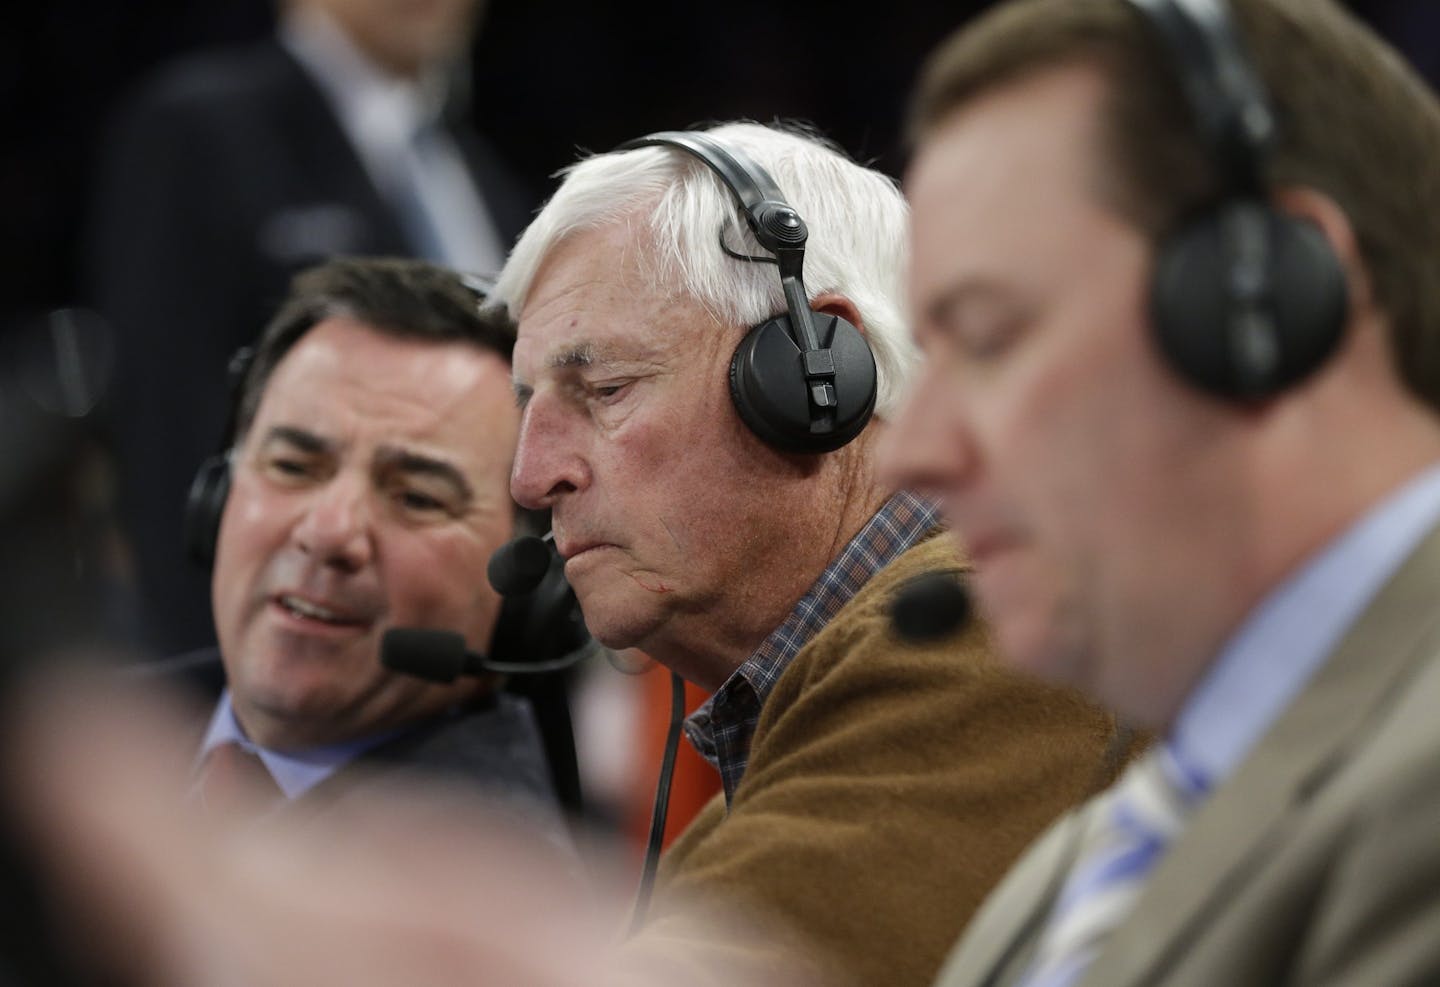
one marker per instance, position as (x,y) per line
(888,789)
(1318,862)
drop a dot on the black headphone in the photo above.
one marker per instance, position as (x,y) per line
(803,381)
(1270,281)
(205,503)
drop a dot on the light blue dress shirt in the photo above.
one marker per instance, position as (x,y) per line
(296,772)
(1286,639)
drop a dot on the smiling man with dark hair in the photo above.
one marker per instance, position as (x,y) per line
(367,489)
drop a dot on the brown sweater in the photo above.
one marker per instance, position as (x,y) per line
(889,788)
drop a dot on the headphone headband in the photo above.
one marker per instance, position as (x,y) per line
(775,223)
(818,413)
(1245,300)
(1231,108)
(751,185)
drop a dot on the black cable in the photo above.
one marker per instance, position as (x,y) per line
(540,667)
(662,803)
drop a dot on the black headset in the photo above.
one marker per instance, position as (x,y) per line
(205,503)
(539,628)
(1269,281)
(536,621)
(803,381)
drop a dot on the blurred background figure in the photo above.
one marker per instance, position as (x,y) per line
(345,133)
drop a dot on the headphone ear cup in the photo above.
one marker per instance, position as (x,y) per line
(203,507)
(1193,307)
(767,384)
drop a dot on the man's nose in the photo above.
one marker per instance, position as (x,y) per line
(549,460)
(336,528)
(929,446)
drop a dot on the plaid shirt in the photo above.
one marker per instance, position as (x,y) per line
(721,729)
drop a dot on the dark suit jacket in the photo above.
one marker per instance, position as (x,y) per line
(222,178)
(492,748)
(1317,863)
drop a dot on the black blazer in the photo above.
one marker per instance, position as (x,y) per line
(222,177)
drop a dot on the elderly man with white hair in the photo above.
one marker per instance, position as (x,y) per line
(696,414)
(706,322)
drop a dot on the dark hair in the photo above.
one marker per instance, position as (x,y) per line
(409,299)
(1355,123)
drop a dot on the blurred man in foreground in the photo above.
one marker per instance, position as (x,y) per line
(1181,404)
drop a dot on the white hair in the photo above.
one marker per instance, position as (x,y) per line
(857,246)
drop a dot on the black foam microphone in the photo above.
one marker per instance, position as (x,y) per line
(930,607)
(518,566)
(539,618)
(436,656)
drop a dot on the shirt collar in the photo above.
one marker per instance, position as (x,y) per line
(720,730)
(1287,637)
(374,106)
(296,772)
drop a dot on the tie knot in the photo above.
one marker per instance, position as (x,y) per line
(1156,795)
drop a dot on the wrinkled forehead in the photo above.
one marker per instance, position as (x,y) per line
(597,299)
(593,348)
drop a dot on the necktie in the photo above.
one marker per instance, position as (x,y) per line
(234,782)
(413,195)
(1143,813)
(439,206)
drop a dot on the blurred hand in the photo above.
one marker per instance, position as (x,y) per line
(413,889)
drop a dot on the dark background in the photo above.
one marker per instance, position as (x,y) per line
(550,76)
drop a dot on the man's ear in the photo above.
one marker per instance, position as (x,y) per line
(1319,210)
(833,303)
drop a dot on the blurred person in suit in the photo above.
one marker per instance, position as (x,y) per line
(1182,404)
(346,133)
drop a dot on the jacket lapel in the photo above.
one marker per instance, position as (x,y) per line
(1243,819)
(331,165)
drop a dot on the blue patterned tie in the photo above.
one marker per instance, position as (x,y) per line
(1143,813)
